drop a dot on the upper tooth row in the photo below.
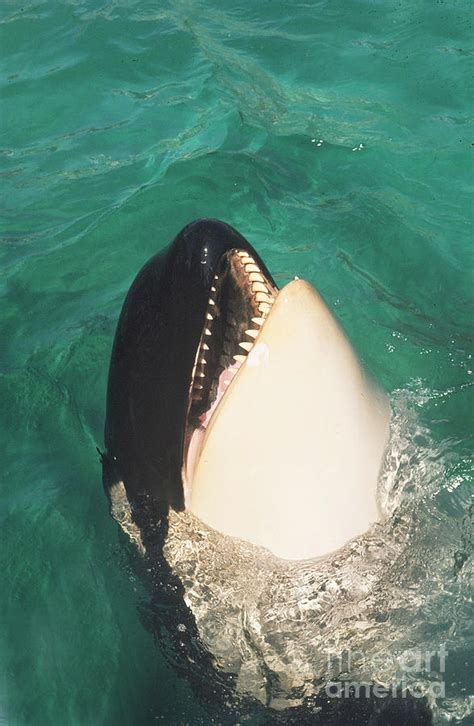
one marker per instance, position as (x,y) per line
(196,374)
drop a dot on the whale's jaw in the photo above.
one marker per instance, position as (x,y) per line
(291,453)
(239,302)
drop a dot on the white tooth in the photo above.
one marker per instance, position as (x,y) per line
(241,253)
(249,261)
(198,386)
(209,316)
(201,375)
(259,287)
(203,361)
(211,301)
(259,321)
(205,346)
(252,333)
(246,346)
(264,308)
(251,268)
(207,331)
(216,277)
(240,358)
(213,289)
(263,297)
(256,277)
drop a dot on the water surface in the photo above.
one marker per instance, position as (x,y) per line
(337,137)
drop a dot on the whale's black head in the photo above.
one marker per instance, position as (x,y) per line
(191,315)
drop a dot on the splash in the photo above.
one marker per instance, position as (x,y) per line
(386,609)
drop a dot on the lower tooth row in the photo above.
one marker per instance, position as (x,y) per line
(264,299)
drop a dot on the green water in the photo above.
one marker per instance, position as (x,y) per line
(337,137)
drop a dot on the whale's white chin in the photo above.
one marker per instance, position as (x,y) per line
(292,453)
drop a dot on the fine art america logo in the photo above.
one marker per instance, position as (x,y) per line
(418,673)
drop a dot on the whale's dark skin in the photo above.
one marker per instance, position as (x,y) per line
(152,360)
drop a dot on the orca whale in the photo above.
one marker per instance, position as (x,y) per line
(241,402)
(243,407)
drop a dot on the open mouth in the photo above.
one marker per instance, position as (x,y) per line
(240,300)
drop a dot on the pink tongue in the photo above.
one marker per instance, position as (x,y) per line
(225,379)
(197,438)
